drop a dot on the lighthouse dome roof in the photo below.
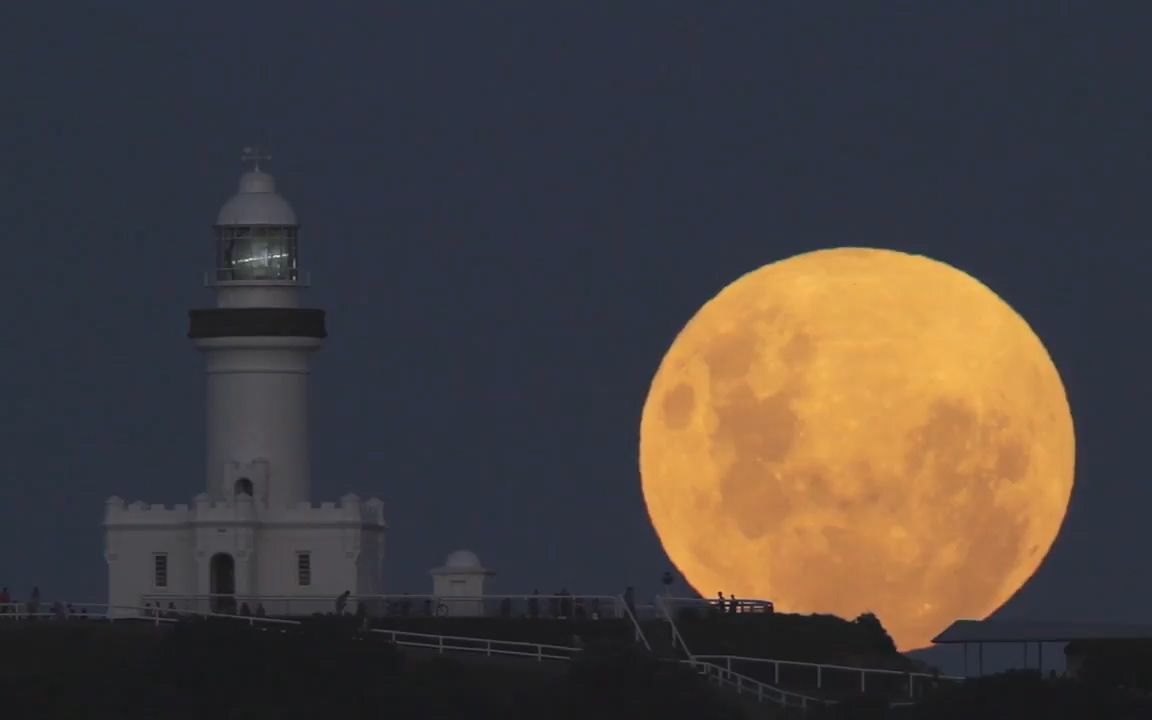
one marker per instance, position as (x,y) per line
(256,202)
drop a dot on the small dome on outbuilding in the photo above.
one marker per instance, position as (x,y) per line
(461,562)
(462,559)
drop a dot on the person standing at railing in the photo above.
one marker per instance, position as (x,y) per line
(342,601)
(534,604)
(5,599)
(34,602)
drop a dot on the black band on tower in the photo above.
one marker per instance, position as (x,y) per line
(256,322)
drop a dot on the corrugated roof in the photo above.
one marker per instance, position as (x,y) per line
(1006,631)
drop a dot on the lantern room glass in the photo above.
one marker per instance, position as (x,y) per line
(256,252)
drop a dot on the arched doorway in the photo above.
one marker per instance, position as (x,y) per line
(223,583)
(243,487)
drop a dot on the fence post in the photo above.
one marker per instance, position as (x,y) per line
(862,688)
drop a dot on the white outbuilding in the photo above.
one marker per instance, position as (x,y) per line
(458,584)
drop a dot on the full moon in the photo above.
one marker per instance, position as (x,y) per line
(857,430)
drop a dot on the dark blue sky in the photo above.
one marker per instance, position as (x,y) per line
(510,209)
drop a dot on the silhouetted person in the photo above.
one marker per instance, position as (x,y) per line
(595,608)
(34,602)
(534,604)
(565,603)
(5,598)
(259,609)
(630,599)
(171,612)
(579,612)
(733,605)
(244,609)
(720,604)
(554,606)
(506,608)
(342,601)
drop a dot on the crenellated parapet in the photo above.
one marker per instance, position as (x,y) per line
(118,513)
(351,510)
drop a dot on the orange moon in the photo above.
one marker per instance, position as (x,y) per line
(858,430)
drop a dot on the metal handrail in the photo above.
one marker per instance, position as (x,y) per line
(466,638)
(764,691)
(489,646)
(676,636)
(604,606)
(621,602)
(827,666)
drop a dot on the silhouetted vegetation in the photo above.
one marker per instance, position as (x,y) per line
(1026,694)
(327,669)
(1117,663)
(324,669)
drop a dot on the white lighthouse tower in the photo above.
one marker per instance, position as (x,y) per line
(253,537)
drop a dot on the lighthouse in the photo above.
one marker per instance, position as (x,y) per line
(253,538)
(256,344)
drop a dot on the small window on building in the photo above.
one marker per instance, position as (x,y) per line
(160,570)
(303,569)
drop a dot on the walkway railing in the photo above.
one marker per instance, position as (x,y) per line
(764,692)
(821,668)
(677,638)
(100,612)
(488,646)
(534,606)
(586,607)
(724,676)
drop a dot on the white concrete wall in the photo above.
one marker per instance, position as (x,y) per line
(257,409)
(457,586)
(371,562)
(332,571)
(345,540)
(129,553)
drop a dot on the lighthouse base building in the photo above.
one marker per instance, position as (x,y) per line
(215,556)
(254,538)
